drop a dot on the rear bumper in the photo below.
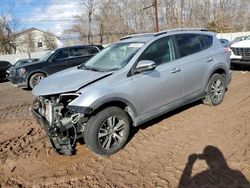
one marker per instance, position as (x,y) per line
(240,61)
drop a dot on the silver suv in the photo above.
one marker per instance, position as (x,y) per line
(128,83)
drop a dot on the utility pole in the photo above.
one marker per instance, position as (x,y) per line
(156,16)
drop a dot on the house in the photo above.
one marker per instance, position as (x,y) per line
(35,40)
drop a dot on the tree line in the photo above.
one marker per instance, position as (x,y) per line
(104,21)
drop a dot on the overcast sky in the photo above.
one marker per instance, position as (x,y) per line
(48,15)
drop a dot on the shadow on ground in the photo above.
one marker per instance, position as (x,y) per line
(134,130)
(218,174)
(3,81)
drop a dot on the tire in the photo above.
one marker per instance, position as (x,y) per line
(107,132)
(35,79)
(215,90)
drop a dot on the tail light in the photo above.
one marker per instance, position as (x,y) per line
(227,50)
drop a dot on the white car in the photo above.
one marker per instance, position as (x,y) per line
(240,52)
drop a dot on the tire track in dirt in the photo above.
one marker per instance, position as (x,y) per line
(154,157)
(15,112)
(24,145)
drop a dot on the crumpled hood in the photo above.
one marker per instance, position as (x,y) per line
(67,81)
(241,44)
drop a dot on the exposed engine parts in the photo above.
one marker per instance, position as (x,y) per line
(62,124)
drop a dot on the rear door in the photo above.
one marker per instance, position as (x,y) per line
(196,55)
(79,55)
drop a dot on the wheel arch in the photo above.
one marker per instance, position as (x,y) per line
(121,103)
(34,72)
(218,70)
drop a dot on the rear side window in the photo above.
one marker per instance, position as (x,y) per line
(189,44)
(73,52)
(208,39)
(82,51)
(92,50)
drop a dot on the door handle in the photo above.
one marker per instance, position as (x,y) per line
(209,59)
(175,70)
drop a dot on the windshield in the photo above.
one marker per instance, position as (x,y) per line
(248,38)
(46,56)
(113,57)
(19,62)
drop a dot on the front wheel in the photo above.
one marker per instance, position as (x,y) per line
(107,131)
(215,90)
(35,79)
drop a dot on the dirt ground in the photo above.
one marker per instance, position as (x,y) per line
(161,153)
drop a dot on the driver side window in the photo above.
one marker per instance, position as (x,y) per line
(61,54)
(160,51)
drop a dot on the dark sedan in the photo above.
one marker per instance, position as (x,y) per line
(28,75)
(4,65)
(19,63)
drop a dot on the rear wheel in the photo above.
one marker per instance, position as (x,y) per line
(35,79)
(215,90)
(107,131)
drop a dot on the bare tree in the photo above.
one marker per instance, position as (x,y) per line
(49,41)
(107,20)
(7,45)
(90,6)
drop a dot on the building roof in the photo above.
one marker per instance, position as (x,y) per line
(33,29)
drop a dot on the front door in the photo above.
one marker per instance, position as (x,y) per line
(59,61)
(155,89)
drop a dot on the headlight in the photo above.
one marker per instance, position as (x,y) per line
(21,71)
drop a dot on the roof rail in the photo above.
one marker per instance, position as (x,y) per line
(179,29)
(161,32)
(138,35)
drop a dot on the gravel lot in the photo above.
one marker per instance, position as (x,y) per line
(161,153)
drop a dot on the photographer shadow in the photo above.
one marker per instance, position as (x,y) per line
(218,174)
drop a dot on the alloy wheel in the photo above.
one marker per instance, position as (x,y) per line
(111,132)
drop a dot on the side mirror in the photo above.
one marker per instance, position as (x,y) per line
(145,65)
(50,60)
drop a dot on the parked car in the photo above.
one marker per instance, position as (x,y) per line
(238,39)
(240,53)
(4,65)
(129,83)
(225,43)
(24,61)
(19,63)
(28,75)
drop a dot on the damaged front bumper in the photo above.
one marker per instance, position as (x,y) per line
(60,143)
(63,124)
